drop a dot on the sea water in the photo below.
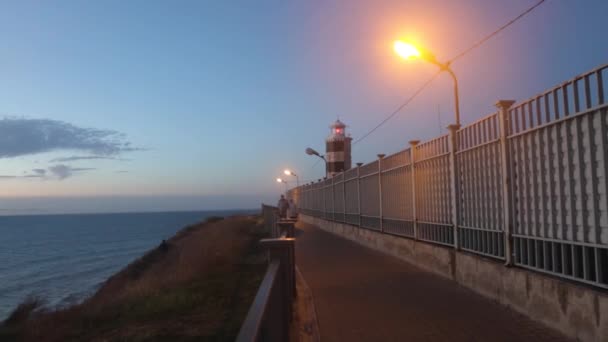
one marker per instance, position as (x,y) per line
(65,258)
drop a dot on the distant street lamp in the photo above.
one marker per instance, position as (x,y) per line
(279,180)
(291,173)
(409,51)
(312,152)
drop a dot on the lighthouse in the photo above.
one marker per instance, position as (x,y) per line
(337,151)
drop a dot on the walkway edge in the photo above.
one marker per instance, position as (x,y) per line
(305,327)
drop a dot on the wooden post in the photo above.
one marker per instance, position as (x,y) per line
(505,163)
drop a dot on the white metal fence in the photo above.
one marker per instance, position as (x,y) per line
(527,184)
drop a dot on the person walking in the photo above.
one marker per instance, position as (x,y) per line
(292,211)
(282,206)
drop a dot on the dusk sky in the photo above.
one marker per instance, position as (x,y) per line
(149,105)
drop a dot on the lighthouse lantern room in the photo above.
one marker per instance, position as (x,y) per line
(338,150)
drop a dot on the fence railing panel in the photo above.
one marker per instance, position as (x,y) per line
(528,184)
(396,160)
(433,194)
(370,202)
(339,198)
(557,188)
(397,194)
(352,193)
(328,197)
(433,190)
(480,182)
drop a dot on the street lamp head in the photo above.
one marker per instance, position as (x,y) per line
(279,180)
(288,172)
(406,50)
(410,51)
(311,152)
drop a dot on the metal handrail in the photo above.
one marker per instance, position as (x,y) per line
(252,327)
(271,312)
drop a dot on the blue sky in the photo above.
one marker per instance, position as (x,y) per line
(201,104)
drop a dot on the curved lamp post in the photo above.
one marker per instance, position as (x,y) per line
(291,173)
(312,152)
(409,51)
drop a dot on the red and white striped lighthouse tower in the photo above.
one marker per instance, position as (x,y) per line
(337,152)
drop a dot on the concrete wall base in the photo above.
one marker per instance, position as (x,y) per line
(576,310)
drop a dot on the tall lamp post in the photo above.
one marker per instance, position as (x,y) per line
(279,180)
(312,152)
(408,51)
(291,173)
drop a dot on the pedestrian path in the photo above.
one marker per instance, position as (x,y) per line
(364,295)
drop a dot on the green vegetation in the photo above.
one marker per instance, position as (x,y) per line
(198,287)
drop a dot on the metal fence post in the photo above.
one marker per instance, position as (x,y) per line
(454,189)
(322,190)
(413,144)
(505,163)
(333,199)
(380,157)
(359,191)
(344,197)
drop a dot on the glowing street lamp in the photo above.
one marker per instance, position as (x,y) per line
(291,173)
(279,180)
(409,51)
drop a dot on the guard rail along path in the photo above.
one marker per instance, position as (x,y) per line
(526,186)
(270,314)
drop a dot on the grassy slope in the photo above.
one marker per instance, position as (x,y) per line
(200,288)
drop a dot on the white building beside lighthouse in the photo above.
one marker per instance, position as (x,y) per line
(337,150)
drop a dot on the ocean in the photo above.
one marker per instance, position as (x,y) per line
(65,258)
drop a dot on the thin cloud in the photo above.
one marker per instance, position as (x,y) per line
(77,158)
(20,137)
(55,172)
(62,171)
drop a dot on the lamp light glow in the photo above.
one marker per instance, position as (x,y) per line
(406,50)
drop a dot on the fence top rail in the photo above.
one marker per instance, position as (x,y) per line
(250,330)
(369,168)
(577,95)
(468,126)
(561,85)
(350,174)
(339,177)
(401,158)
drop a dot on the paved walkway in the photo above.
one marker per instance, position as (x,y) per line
(363,295)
